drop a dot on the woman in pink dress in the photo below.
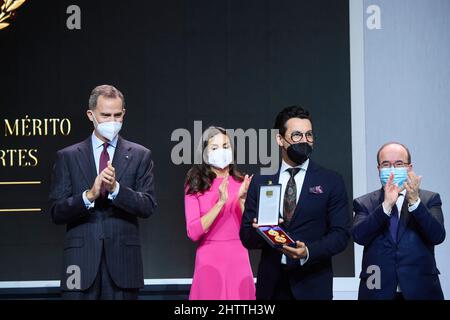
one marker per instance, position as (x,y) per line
(214,200)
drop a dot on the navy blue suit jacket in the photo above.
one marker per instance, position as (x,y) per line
(113,225)
(321,221)
(408,261)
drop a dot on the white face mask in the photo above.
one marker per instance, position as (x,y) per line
(220,158)
(108,130)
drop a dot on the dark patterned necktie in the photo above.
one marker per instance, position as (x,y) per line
(104,158)
(290,197)
(393,222)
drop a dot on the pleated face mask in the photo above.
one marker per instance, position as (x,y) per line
(400,176)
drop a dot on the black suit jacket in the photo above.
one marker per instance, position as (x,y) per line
(408,260)
(113,225)
(321,221)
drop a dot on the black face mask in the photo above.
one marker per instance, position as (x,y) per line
(299,152)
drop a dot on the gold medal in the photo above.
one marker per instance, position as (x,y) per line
(280,239)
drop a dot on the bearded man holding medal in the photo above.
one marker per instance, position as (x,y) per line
(314,212)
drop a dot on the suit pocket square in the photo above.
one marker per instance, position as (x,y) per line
(316,190)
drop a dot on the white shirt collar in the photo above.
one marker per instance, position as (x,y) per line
(285,166)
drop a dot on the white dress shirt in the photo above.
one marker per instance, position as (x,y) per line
(399,205)
(283,180)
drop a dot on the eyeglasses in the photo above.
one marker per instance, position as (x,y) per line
(297,136)
(396,164)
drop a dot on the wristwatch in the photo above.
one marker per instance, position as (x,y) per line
(412,204)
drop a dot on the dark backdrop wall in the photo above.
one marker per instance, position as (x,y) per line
(229,63)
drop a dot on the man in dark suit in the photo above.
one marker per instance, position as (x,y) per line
(315,212)
(398,225)
(100,187)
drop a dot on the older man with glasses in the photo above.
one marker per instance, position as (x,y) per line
(398,225)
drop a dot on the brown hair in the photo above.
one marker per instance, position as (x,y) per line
(289,113)
(199,178)
(105,91)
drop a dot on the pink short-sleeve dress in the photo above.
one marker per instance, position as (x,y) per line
(222,265)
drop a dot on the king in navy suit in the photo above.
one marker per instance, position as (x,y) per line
(315,212)
(100,188)
(399,225)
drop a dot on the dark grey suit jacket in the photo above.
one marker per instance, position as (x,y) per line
(113,225)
